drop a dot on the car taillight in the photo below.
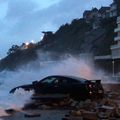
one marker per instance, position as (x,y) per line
(90,85)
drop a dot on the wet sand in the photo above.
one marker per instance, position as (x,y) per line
(44,115)
(52,114)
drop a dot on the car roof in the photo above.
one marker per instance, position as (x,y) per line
(71,77)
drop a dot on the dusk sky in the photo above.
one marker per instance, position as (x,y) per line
(23,20)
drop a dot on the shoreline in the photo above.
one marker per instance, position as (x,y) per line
(42,115)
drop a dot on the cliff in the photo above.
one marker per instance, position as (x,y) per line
(74,38)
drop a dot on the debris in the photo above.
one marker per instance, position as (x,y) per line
(45,107)
(76,113)
(89,115)
(90,109)
(72,118)
(30,115)
(10,111)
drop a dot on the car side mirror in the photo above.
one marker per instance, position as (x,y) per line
(35,82)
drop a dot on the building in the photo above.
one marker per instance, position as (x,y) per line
(111,62)
(118,6)
(94,13)
(87,15)
(47,33)
(90,15)
(115,49)
(104,12)
(27,45)
(113,9)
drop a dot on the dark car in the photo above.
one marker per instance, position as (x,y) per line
(75,87)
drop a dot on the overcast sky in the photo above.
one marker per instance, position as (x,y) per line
(23,20)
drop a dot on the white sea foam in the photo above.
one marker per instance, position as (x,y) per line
(25,75)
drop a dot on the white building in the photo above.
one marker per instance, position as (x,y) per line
(113,9)
(112,62)
(115,49)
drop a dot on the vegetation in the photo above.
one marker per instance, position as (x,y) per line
(75,38)
(13,49)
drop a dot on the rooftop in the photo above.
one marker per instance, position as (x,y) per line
(87,12)
(94,9)
(103,9)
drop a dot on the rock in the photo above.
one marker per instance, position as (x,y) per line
(30,115)
(62,103)
(81,105)
(10,111)
(54,104)
(74,103)
(87,115)
(106,108)
(113,95)
(78,113)
(88,101)
(45,107)
(73,118)
(75,113)
(65,118)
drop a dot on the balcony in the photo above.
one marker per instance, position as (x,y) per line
(105,57)
(117,38)
(113,7)
(118,20)
(117,29)
(115,49)
(116,54)
(117,46)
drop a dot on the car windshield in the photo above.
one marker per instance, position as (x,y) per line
(48,80)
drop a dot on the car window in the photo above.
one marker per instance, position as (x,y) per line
(56,81)
(49,80)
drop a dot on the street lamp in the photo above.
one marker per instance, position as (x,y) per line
(113,68)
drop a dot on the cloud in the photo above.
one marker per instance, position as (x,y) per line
(25,20)
(34,21)
(20,8)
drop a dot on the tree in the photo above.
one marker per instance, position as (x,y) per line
(13,49)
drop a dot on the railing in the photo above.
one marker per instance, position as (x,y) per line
(115,46)
(102,57)
(117,38)
(118,19)
(115,53)
(116,78)
(117,29)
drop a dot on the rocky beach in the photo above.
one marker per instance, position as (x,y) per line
(68,109)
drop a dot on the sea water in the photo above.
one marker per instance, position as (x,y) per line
(26,75)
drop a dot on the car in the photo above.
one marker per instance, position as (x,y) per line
(76,87)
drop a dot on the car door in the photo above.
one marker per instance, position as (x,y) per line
(46,85)
(64,86)
(73,86)
(59,85)
(56,85)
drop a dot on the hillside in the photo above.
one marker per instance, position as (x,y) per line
(75,38)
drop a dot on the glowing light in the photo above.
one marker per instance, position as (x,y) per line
(90,86)
(27,43)
(90,92)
